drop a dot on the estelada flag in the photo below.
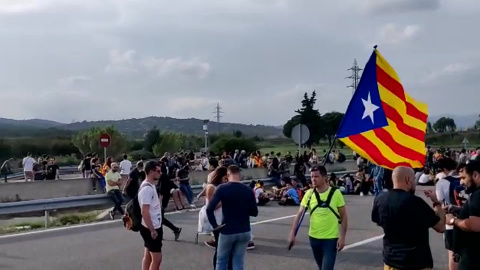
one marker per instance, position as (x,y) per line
(383,123)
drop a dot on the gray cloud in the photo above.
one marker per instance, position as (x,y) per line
(400,6)
(63,60)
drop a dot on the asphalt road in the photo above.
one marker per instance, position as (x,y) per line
(109,246)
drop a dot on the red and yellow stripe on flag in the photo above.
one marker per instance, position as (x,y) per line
(383,123)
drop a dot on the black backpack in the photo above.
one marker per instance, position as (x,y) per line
(132,219)
(454,183)
(324,204)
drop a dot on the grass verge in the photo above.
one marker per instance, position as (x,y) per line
(61,220)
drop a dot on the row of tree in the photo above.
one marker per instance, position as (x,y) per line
(156,143)
(443,124)
(321,127)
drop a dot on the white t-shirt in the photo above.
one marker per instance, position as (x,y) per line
(28,164)
(258,192)
(148,195)
(126,166)
(417,176)
(442,189)
(424,178)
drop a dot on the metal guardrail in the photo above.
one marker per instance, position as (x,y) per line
(48,205)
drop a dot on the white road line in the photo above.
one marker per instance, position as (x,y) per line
(363,242)
(58,229)
(357,244)
(270,220)
(360,243)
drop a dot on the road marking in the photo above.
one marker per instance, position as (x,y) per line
(360,243)
(357,244)
(270,220)
(58,229)
(363,242)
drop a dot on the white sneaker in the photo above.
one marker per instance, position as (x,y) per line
(193,206)
(361,194)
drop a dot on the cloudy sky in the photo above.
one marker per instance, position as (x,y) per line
(116,59)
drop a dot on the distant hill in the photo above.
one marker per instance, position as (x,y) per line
(35,123)
(136,128)
(462,121)
(133,128)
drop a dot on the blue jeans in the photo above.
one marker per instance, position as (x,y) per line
(234,244)
(187,190)
(378,187)
(116,196)
(324,252)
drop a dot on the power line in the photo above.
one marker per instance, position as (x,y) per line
(218,113)
(355,77)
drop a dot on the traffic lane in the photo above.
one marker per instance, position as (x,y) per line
(369,256)
(112,246)
(115,248)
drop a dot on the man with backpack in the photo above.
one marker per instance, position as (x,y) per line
(445,190)
(151,212)
(327,215)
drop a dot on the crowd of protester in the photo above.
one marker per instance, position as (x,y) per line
(455,176)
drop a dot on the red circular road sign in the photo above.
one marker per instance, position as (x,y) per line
(105,140)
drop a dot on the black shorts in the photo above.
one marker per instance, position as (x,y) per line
(151,244)
(448,235)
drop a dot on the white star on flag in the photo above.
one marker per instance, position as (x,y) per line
(370,108)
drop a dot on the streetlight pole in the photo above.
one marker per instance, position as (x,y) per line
(205,129)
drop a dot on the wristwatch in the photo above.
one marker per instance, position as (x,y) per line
(452,220)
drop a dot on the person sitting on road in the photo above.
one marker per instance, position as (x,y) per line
(278,192)
(261,196)
(291,196)
(425,178)
(332,179)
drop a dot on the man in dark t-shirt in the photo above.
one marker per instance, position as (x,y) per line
(466,232)
(135,177)
(406,219)
(52,170)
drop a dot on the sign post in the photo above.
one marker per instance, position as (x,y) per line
(300,135)
(105,142)
(205,129)
(465,142)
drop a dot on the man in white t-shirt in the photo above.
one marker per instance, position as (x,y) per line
(151,229)
(125,168)
(447,168)
(28,163)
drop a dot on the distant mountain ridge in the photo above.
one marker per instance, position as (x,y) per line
(36,123)
(136,128)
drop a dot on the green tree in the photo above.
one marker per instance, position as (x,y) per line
(5,149)
(308,116)
(429,127)
(88,141)
(237,134)
(445,124)
(477,123)
(287,128)
(231,144)
(151,138)
(170,142)
(332,121)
